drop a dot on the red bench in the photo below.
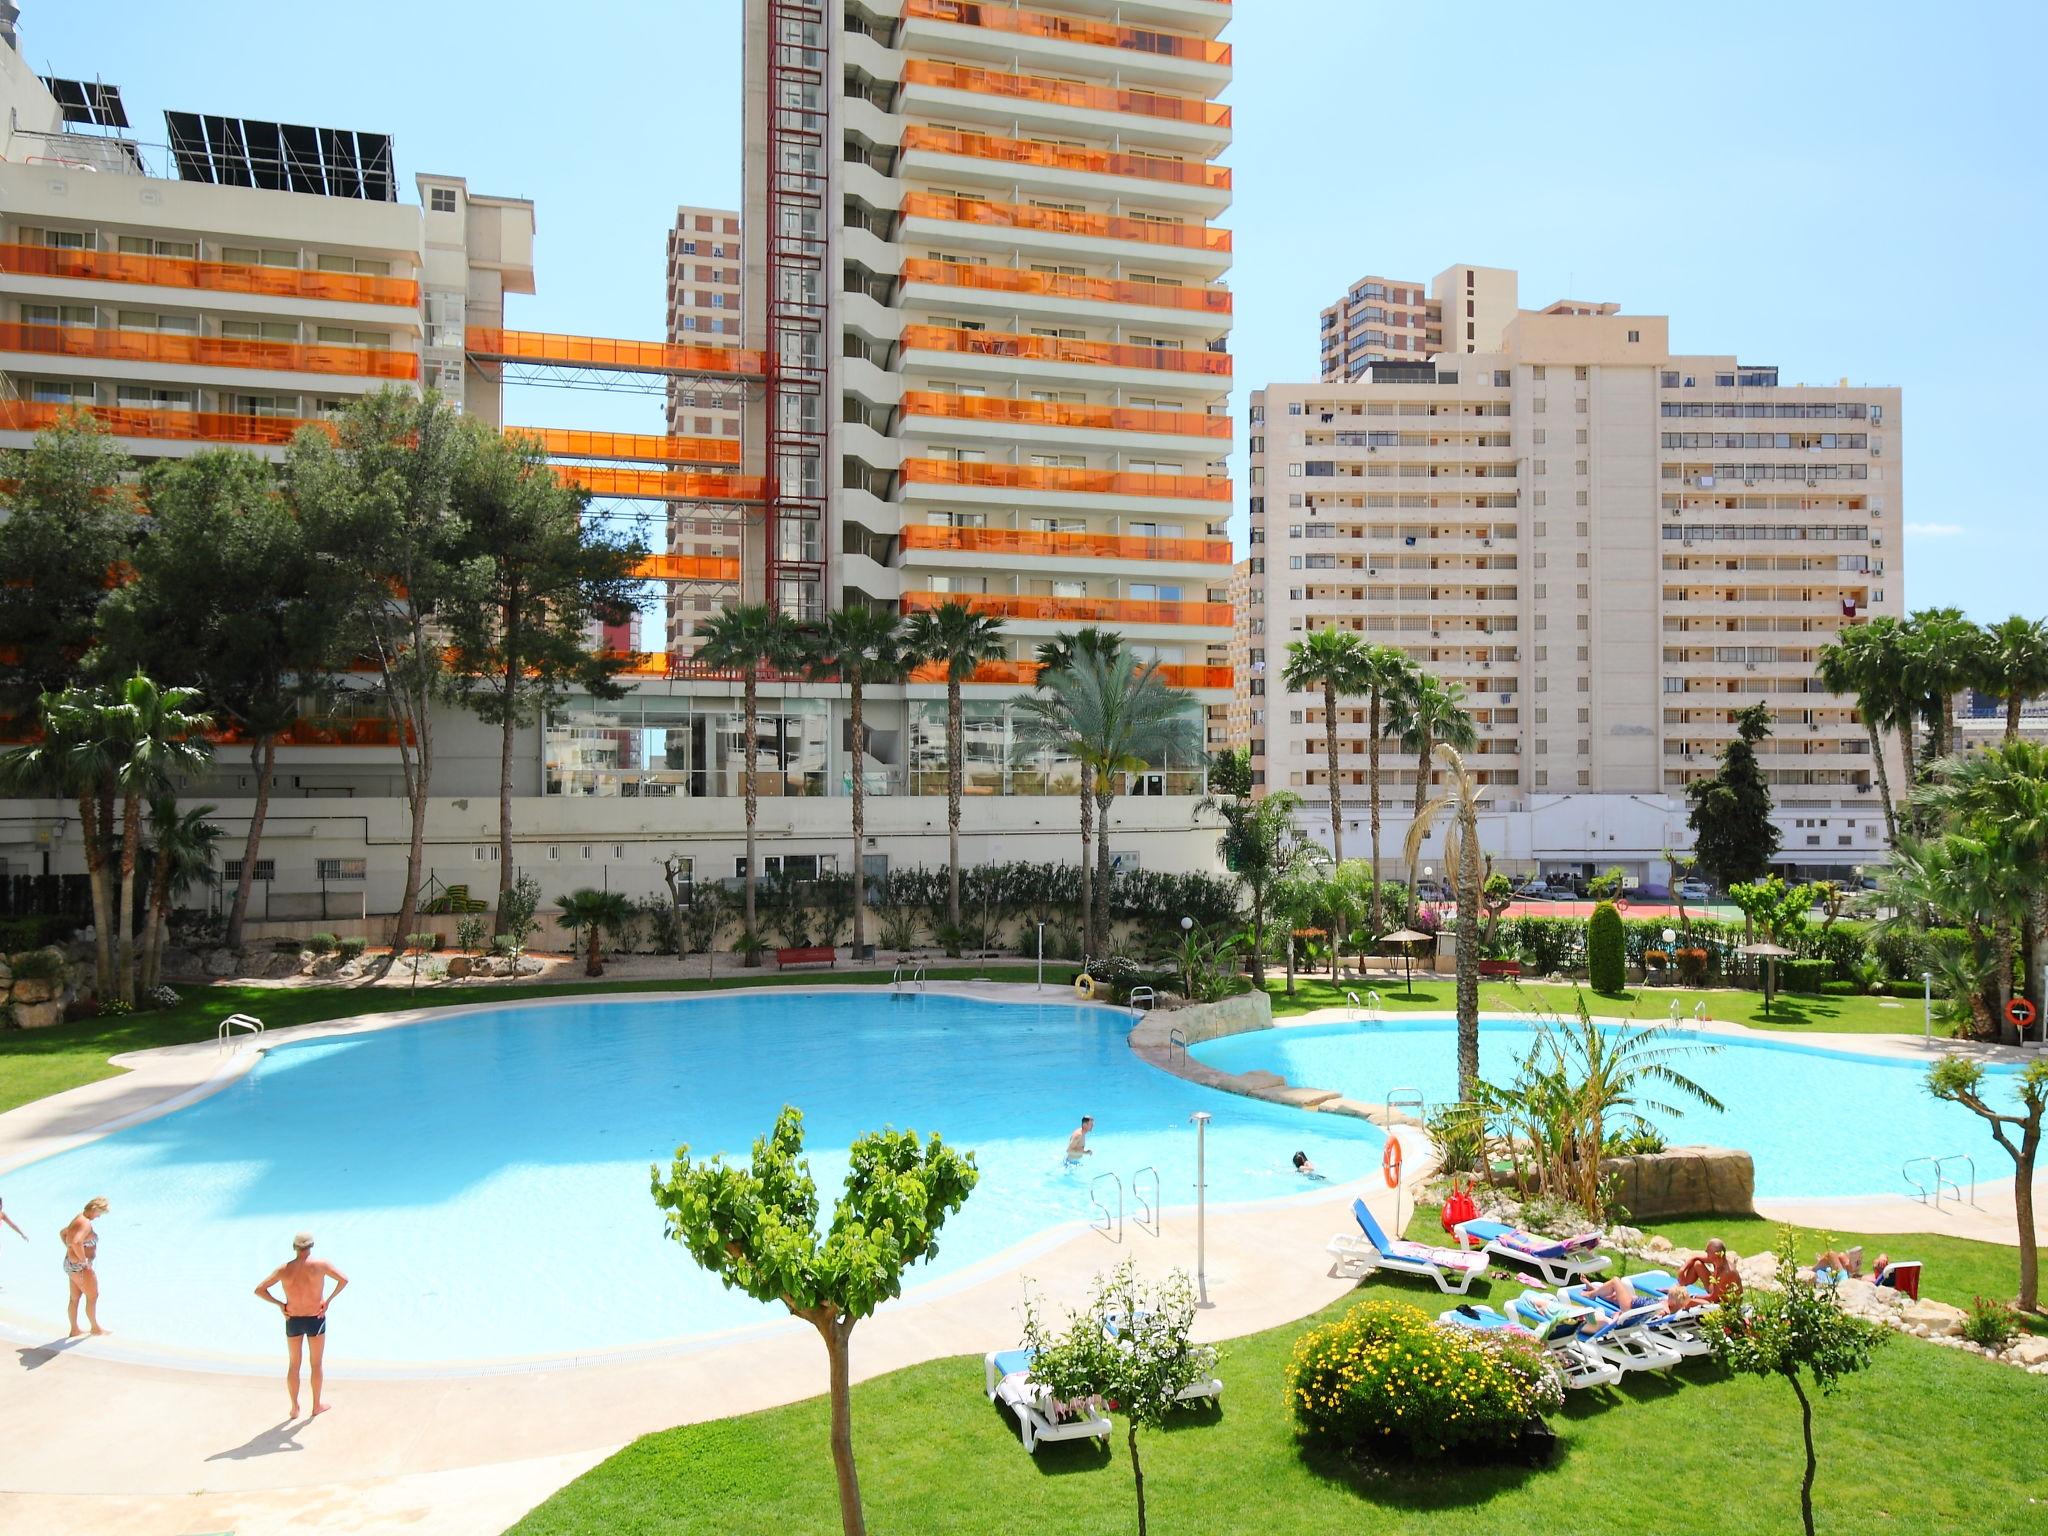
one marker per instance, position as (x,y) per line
(1500,967)
(817,954)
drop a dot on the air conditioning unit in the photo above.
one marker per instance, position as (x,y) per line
(1749,482)
(1813,485)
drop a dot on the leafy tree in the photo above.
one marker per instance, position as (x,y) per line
(1464,866)
(534,579)
(1387,674)
(1774,906)
(181,851)
(230,597)
(858,646)
(1332,662)
(70,521)
(68,762)
(756,1229)
(519,916)
(1733,835)
(752,639)
(1496,896)
(593,914)
(1959,1080)
(957,639)
(1230,773)
(1052,732)
(1797,1332)
(1867,663)
(1428,710)
(1258,846)
(1606,950)
(2015,665)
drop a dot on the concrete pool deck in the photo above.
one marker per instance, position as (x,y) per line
(104,1446)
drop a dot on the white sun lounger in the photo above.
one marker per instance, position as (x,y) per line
(1206,1390)
(1682,1329)
(1628,1337)
(1557,1325)
(1007,1373)
(1556,1260)
(1452,1269)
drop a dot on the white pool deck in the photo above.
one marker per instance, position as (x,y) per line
(104,1441)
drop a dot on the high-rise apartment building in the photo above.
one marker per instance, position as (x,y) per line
(703,310)
(1612,549)
(1384,319)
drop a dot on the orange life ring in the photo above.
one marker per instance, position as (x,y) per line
(1390,1163)
(2021,1012)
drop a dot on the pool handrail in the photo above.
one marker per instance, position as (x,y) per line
(1177,1040)
(1940,1176)
(1109,1225)
(1401,1098)
(234,1023)
(1150,996)
(1147,1217)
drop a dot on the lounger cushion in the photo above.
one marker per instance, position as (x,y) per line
(1010,1361)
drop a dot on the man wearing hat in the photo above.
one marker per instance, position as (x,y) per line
(305,1303)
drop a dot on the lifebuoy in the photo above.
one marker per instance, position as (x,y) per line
(1084,987)
(2021,1012)
(1390,1163)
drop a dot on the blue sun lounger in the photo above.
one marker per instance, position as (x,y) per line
(1681,1329)
(1556,1324)
(1007,1373)
(1557,1260)
(1452,1269)
(1628,1337)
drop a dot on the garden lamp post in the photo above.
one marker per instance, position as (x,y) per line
(1670,937)
(1201,1119)
(1927,1009)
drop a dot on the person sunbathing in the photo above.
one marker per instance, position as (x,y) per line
(1713,1269)
(1615,1291)
(1839,1264)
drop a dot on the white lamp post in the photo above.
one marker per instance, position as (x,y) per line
(1927,1009)
(1201,1119)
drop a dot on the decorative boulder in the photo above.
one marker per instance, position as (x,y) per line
(33,989)
(458,967)
(1684,1181)
(1936,1319)
(36,1015)
(223,962)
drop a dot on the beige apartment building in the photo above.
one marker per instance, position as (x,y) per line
(1390,319)
(1612,549)
(704,310)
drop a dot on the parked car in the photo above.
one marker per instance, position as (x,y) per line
(1548,893)
(1428,890)
(1648,892)
(1695,890)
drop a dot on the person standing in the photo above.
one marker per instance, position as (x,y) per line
(1077,1144)
(305,1303)
(81,1250)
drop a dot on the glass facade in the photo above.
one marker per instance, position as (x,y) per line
(657,746)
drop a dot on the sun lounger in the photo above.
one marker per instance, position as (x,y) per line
(1680,1329)
(1008,1377)
(1543,1316)
(1627,1336)
(1904,1277)
(1557,1260)
(1206,1390)
(1453,1269)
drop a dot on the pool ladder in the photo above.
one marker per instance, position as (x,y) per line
(1399,1099)
(236,1024)
(1936,1167)
(1109,1223)
(916,976)
(1177,1040)
(1144,999)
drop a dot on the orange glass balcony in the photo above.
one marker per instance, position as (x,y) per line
(1064,93)
(1067,29)
(207,351)
(564,443)
(687,568)
(175,426)
(1047,413)
(1088,482)
(216,276)
(1173,674)
(1102,162)
(1101,290)
(1076,610)
(654,485)
(1057,221)
(550,350)
(1085,546)
(366,731)
(1058,349)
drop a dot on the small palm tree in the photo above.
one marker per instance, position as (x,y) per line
(749,639)
(593,914)
(2016,665)
(958,639)
(1427,711)
(1330,661)
(858,646)
(1054,654)
(182,844)
(65,766)
(1466,866)
(1387,673)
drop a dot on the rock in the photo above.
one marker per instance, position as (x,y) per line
(1658,1244)
(1760,1269)
(459,967)
(222,962)
(1938,1318)
(33,989)
(36,1015)
(1684,1181)
(1629,1237)
(6,975)
(2030,1352)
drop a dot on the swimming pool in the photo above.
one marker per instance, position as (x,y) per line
(1818,1123)
(482,1177)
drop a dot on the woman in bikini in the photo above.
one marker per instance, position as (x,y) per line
(81,1245)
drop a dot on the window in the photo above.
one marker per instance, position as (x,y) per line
(487,853)
(252,256)
(1635,335)
(231,870)
(260,330)
(340,869)
(441,199)
(82,315)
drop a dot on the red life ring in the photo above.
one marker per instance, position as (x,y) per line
(2021,1012)
(1390,1163)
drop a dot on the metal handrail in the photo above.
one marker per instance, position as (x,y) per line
(1921,1191)
(1177,1039)
(1940,1163)
(1148,1210)
(236,1023)
(1149,996)
(1404,1097)
(1111,1227)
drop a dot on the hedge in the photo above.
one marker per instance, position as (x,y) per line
(1606,949)
(1558,944)
(20,933)
(1803,975)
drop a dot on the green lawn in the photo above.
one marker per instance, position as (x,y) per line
(1928,1440)
(1792,1015)
(36,1063)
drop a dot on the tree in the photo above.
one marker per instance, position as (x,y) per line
(1050,732)
(1606,950)
(957,639)
(1428,710)
(67,763)
(1867,664)
(1944,653)
(1795,1332)
(377,502)
(181,852)
(1230,773)
(593,914)
(1258,846)
(751,639)
(1997,801)
(230,597)
(1465,866)
(2015,665)
(534,581)
(1132,1347)
(1733,836)
(70,523)
(1959,1080)
(1387,674)
(756,1229)
(519,916)
(858,646)
(1332,662)
(1496,896)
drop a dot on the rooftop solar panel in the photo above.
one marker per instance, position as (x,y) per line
(88,101)
(250,152)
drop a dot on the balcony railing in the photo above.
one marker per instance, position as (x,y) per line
(1057,221)
(1089,546)
(655,485)
(571,443)
(1047,413)
(1088,482)
(1058,349)
(174,426)
(1173,674)
(1067,29)
(1100,162)
(1100,290)
(720,568)
(549,349)
(1076,610)
(171,347)
(1064,93)
(217,276)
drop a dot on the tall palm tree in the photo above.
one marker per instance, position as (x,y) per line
(2016,665)
(749,639)
(593,914)
(957,638)
(1386,674)
(859,646)
(1466,866)
(181,845)
(1332,662)
(1054,654)
(1944,655)
(1865,664)
(1426,712)
(1999,800)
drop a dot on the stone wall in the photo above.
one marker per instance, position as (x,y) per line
(34,1002)
(1212,1021)
(1683,1181)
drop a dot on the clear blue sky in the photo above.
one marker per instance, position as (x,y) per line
(1843,192)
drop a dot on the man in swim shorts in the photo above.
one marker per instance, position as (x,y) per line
(305,1303)
(1077,1144)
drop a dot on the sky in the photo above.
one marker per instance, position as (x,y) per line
(1845,192)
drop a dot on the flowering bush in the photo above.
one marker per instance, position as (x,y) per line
(112,1007)
(165,997)
(1386,1378)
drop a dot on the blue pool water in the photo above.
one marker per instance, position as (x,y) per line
(483,1180)
(1819,1124)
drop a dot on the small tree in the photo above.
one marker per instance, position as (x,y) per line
(594,914)
(1131,1348)
(519,916)
(1800,1330)
(1230,773)
(756,1229)
(1258,846)
(1606,949)
(1960,1081)
(1733,835)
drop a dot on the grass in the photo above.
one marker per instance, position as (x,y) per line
(1924,1440)
(1788,1014)
(36,1063)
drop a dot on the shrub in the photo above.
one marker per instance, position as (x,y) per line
(471,932)
(19,933)
(81,1008)
(1692,965)
(165,997)
(1804,976)
(1655,959)
(1907,952)
(1384,1378)
(351,949)
(114,1007)
(1606,949)
(37,965)
(1459,1131)
(322,944)
(1991,1324)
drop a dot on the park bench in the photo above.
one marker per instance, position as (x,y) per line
(816,954)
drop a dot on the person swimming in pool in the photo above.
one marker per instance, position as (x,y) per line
(1077,1144)
(1304,1167)
(305,1304)
(81,1250)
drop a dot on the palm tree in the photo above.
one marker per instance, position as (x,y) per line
(1944,655)
(1466,866)
(1387,674)
(1258,847)
(749,639)
(1865,664)
(65,765)
(859,645)
(1999,800)
(2016,665)
(1429,710)
(1054,654)
(594,913)
(1331,661)
(181,844)
(958,639)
